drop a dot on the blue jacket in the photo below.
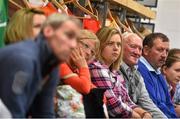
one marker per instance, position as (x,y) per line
(158,90)
(25,84)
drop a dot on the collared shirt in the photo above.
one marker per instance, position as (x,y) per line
(137,91)
(132,80)
(174,93)
(177,95)
(157,88)
(169,87)
(130,73)
(149,67)
(119,103)
(126,67)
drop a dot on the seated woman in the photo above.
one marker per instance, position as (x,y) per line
(171,71)
(105,74)
(24,24)
(75,72)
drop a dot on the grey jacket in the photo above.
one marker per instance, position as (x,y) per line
(138,93)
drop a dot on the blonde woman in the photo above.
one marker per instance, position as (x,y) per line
(24,24)
(75,74)
(104,74)
(76,71)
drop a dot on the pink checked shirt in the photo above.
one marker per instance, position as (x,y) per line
(119,103)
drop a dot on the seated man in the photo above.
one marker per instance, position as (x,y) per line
(133,79)
(25,67)
(155,51)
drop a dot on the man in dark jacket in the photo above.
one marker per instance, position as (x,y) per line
(25,67)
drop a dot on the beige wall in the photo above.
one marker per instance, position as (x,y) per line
(168,20)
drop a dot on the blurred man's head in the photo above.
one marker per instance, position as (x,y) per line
(155,49)
(61,32)
(132,48)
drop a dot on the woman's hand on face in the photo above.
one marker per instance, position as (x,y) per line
(78,58)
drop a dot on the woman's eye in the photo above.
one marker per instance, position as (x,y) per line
(119,44)
(110,44)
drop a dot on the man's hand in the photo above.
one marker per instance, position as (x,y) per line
(147,116)
(135,115)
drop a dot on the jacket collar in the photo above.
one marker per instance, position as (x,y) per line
(148,65)
(126,67)
(47,59)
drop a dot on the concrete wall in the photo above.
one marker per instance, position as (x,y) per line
(168,20)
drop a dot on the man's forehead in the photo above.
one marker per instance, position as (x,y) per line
(69,24)
(160,42)
(134,40)
(133,37)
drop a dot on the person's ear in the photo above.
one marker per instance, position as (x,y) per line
(164,69)
(146,50)
(48,31)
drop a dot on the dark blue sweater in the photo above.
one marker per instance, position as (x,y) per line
(158,90)
(23,68)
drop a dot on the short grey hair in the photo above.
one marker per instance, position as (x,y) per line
(56,20)
(126,35)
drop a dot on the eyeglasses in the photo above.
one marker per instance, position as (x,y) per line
(86,46)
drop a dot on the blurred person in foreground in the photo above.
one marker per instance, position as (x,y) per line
(25,67)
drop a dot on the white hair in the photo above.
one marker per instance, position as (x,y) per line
(126,35)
